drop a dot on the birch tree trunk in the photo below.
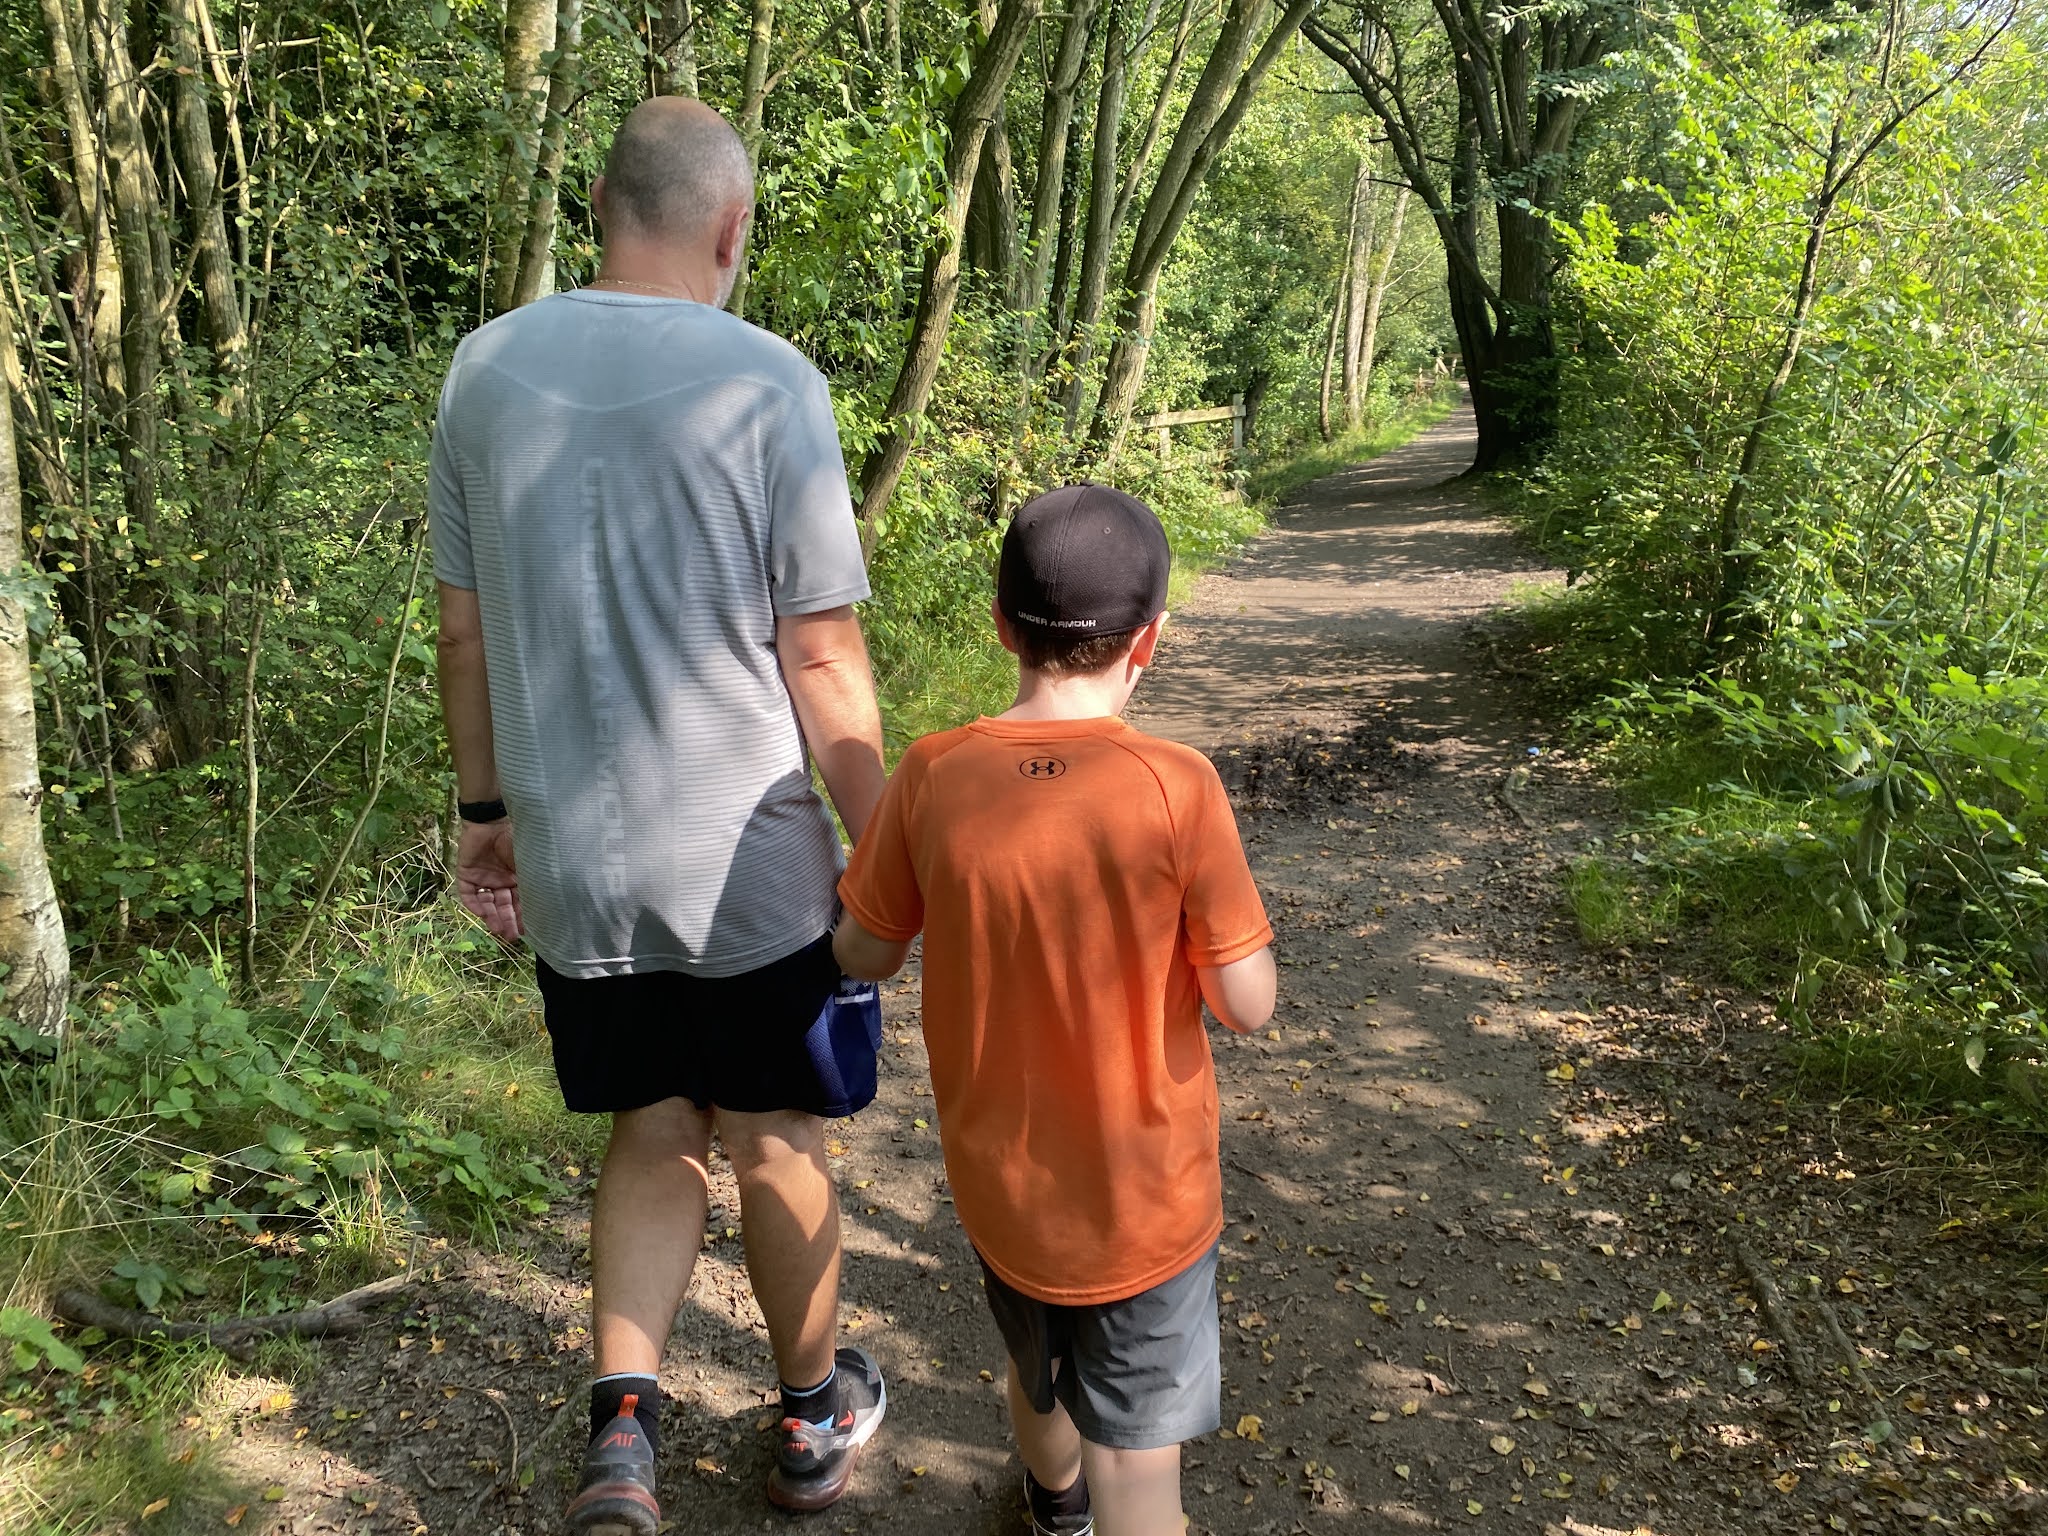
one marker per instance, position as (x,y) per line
(529,33)
(1358,268)
(968,123)
(537,254)
(1340,308)
(38,984)
(1376,294)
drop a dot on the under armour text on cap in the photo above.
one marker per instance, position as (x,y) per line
(1083,560)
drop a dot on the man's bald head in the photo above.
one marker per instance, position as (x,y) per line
(674,168)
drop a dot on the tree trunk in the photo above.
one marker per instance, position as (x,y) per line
(892,39)
(967,126)
(1218,103)
(1510,134)
(1358,270)
(992,212)
(1376,295)
(1340,308)
(38,984)
(95,271)
(200,166)
(166,712)
(1098,244)
(529,33)
(1049,189)
(753,108)
(537,255)
(679,64)
(1059,293)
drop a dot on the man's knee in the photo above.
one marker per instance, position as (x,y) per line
(768,1142)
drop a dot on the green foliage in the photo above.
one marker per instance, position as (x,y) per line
(256,1132)
(1827,670)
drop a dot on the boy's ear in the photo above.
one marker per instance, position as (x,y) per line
(597,200)
(1147,642)
(1004,633)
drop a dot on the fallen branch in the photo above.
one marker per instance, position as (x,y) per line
(1776,1312)
(236,1336)
(1517,779)
(1850,1353)
(508,1478)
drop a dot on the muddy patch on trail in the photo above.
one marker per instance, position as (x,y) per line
(1300,769)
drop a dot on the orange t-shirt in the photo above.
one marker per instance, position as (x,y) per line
(1069,875)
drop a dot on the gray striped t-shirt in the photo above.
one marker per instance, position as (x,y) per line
(637,488)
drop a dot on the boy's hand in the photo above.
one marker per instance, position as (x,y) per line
(1242,993)
(863,956)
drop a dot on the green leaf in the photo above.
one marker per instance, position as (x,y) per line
(284,1140)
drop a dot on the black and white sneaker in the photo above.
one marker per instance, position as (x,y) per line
(617,1495)
(814,1462)
(1047,1520)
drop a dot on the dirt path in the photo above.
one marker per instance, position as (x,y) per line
(1501,1214)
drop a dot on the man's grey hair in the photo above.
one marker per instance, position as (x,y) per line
(675,165)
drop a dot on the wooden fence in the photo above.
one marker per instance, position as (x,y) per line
(1163,423)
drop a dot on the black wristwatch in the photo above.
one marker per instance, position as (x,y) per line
(481,810)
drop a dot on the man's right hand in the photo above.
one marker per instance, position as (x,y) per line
(485,880)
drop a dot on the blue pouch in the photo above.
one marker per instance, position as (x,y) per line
(844,1044)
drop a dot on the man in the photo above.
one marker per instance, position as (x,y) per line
(647,561)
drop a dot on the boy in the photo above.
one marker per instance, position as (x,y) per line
(1082,891)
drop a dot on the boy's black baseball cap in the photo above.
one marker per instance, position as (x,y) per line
(1083,560)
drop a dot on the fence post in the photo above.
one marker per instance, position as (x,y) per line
(1237,423)
(1165,446)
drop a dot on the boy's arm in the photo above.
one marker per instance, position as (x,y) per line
(1242,993)
(866,958)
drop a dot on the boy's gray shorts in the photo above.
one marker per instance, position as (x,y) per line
(1134,1374)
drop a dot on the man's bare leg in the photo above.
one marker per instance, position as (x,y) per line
(646,1231)
(833,1399)
(789,1219)
(644,1236)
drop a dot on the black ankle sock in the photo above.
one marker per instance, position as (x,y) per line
(607,1401)
(1048,1506)
(814,1405)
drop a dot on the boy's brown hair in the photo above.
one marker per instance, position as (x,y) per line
(1069,655)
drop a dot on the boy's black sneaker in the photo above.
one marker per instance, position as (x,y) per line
(617,1496)
(814,1462)
(1046,1520)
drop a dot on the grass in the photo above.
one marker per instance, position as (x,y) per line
(98,1452)
(1271,481)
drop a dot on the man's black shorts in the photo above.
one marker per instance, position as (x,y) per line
(777,1038)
